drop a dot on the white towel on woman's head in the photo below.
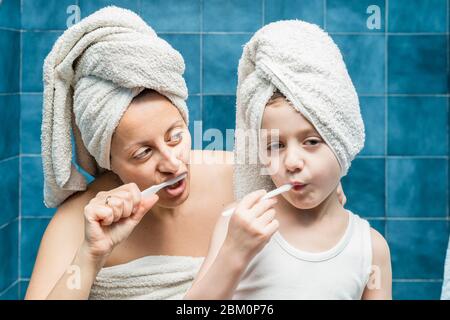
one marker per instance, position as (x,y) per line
(303,63)
(91,75)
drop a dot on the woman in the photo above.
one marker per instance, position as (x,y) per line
(105,240)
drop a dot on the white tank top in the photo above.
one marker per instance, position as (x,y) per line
(281,271)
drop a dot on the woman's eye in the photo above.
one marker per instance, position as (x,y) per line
(142,154)
(177,136)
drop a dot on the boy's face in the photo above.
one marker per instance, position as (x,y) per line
(298,155)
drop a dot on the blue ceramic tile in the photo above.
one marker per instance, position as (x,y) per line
(417,187)
(45,14)
(23,286)
(195,114)
(417,248)
(9,190)
(32,189)
(11,293)
(355,15)
(88,7)
(36,46)
(219,114)
(365,65)
(364,187)
(8,255)
(232,15)
(10,14)
(372,111)
(379,225)
(172,15)
(9,61)
(189,47)
(416,290)
(31,118)
(417,126)
(221,55)
(310,11)
(417,64)
(9,125)
(417,16)
(32,232)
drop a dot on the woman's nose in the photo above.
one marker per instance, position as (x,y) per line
(169,161)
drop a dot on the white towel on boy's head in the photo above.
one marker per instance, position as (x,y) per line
(305,65)
(91,75)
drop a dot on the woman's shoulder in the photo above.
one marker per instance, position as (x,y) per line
(78,200)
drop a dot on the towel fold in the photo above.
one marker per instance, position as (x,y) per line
(301,61)
(91,75)
(149,278)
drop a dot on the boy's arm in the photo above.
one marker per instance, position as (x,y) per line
(219,274)
(379,286)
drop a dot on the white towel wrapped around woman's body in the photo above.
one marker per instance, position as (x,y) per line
(149,278)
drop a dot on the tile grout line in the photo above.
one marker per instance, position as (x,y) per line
(263,12)
(19,231)
(386,118)
(324,15)
(6,224)
(9,287)
(201,66)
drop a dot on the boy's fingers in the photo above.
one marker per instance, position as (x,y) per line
(249,200)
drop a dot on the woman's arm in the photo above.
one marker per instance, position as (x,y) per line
(379,286)
(75,246)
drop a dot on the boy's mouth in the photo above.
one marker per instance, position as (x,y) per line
(297,186)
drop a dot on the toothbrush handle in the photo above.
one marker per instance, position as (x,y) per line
(228,212)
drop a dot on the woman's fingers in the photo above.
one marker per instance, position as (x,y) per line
(146,204)
(103,215)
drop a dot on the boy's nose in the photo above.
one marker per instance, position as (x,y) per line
(294,161)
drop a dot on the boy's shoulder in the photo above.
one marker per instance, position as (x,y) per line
(380,247)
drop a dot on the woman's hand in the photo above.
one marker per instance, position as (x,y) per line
(111,216)
(251,226)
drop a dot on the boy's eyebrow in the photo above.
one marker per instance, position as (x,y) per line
(176,123)
(301,131)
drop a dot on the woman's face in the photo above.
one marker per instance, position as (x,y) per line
(298,155)
(151,145)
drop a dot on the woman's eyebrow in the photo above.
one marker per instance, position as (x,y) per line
(176,123)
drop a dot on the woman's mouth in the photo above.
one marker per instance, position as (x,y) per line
(176,189)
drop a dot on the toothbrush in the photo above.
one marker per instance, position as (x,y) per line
(154,189)
(271,194)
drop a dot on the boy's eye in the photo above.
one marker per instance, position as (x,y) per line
(274,146)
(142,154)
(312,142)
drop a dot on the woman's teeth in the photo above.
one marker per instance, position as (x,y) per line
(175,185)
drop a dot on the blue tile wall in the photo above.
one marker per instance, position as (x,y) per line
(10,41)
(9,260)
(399,181)
(9,61)
(310,11)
